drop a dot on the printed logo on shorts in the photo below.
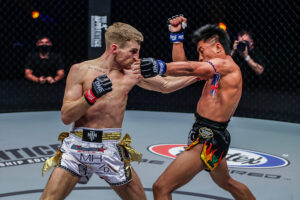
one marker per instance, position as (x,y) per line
(239,158)
(92,135)
(206,133)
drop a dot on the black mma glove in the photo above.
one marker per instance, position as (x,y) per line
(100,86)
(177,37)
(151,67)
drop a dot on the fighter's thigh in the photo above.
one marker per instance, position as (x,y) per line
(220,175)
(133,190)
(182,169)
(60,184)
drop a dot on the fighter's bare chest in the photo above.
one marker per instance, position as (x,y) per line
(120,85)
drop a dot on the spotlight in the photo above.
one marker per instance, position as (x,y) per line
(222,26)
(35,14)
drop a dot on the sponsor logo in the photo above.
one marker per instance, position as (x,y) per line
(90,158)
(90,95)
(239,158)
(180,37)
(206,132)
(99,87)
(79,148)
(173,37)
(92,135)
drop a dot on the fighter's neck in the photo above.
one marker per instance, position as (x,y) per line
(107,62)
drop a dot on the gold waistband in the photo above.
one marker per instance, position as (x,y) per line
(105,136)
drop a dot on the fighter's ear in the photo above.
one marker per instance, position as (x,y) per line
(219,47)
(113,48)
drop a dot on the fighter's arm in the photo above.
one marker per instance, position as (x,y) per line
(166,84)
(176,26)
(150,67)
(74,103)
(204,70)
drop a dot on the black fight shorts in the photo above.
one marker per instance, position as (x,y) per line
(214,137)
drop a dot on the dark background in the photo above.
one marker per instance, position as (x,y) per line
(273,95)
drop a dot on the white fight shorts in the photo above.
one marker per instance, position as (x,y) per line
(87,151)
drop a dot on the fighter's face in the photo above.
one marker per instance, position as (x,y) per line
(127,55)
(207,50)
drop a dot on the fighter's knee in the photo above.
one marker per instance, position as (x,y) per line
(227,184)
(157,187)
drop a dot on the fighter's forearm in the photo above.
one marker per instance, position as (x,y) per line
(166,84)
(177,83)
(178,53)
(71,111)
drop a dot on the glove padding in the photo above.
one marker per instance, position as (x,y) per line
(151,67)
(100,86)
(178,36)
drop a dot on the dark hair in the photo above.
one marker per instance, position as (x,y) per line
(245,32)
(211,31)
(41,36)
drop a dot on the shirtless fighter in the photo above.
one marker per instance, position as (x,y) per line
(208,140)
(95,100)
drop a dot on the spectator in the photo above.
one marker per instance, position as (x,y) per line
(244,54)
(44,66)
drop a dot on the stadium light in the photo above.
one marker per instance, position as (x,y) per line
(222,26)
(35,14)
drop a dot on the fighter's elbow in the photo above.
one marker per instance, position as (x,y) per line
(66,120)
(165,88)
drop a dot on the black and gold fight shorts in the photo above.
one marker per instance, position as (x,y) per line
(214,137)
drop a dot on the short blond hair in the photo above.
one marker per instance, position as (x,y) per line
(120,33)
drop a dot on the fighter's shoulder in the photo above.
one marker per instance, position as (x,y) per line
(80,67)
(227,63)
(219,63)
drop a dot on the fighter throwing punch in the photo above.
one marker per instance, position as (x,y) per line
(95,101)
(208,140)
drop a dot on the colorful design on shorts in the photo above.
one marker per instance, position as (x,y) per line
(209,157)
(206,133)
